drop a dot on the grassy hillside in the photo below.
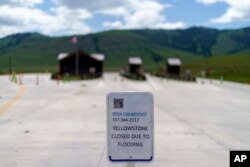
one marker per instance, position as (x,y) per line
(197,47)
(230,67)
(31,52)
(232,42)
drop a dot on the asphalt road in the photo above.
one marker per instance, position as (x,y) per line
(64,125)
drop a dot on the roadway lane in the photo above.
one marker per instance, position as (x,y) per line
(65,125)
(7,89)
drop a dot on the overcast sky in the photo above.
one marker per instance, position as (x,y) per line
(67,17)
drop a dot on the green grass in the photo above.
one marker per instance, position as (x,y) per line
(198,48)
(230,67)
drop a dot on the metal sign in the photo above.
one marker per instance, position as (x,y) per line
(130,126)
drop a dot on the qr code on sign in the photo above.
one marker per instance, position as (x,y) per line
(118,103)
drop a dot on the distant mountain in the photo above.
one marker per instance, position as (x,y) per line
(33,51)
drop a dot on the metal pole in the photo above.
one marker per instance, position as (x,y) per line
(77,59)
(10,64)
(77,63)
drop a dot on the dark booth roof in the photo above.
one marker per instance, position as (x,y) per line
(135,60)
(174,61)
(96,56)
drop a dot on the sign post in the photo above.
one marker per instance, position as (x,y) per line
(130,126)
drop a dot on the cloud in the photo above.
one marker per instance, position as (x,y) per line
(20,19)
(209,2)
(66,17)
(113,25)
(170,26)
(141,14)
(238,10)
(21,2)
(129,13)
(91,5)
(71,21)
(115,12)
(25,18)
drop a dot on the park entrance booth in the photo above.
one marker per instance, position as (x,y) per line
(173,66)
(135,65)
(80,63)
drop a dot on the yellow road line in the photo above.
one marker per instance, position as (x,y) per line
(12,101)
